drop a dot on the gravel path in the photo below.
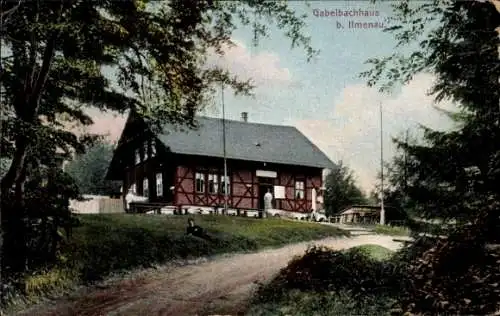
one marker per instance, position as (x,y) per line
(219,287)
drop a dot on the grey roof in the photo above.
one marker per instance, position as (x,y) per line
(246,141)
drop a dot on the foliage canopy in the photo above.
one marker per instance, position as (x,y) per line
(61,57)
(451,176)
(341,190)
(89,169)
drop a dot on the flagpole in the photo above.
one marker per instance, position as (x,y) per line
(224,147)
(382,210)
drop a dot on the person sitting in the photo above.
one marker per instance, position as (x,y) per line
(196,230)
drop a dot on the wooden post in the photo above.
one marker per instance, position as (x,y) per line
(382,210)
(224,148)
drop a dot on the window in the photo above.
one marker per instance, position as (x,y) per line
(200,182)
(299,190)
(153,148)
(137,157)
(145,187)
(146,151)
(223,186)
(159,184)
(213,183)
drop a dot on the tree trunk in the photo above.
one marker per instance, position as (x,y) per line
(16,167)
(13,248)
(26,107)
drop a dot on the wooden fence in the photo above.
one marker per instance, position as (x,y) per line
(93,204)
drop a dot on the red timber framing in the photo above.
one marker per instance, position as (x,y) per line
(288,179)
(184,184)
(243,183)
(185,192)
(245,193)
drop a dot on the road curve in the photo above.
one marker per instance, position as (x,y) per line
(220,286)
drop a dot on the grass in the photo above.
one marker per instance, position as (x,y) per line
(376,252)
(392,230)
(384,229)
(106,244)
(326,285)
(303,303)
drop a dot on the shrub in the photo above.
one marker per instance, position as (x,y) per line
(325,270)
(375,252)
(453,276)
(326,282)
(52,280)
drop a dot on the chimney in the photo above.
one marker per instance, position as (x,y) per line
(244,116)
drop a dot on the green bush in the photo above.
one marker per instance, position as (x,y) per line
(325,270)
(375,252)
(453,276)
(327,282)
(52,280)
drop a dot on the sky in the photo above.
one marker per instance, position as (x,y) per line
(325,98)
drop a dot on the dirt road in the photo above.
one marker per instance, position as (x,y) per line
(219,287)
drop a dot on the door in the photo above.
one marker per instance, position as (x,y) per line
(265,184)
(262,191)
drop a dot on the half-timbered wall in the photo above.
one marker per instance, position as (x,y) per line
(245,188)
(184,186)
(186,190)
(288,178)
(243,184)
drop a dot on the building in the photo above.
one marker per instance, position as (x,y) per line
(186,167)
(368,214)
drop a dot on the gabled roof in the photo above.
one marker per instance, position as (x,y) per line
(246,141)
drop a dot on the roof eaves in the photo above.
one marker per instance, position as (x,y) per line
(292,163)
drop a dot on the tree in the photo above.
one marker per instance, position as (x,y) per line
(464,58)
(341,190)
(453,175)
(88,170)
(56,56)
(156,49)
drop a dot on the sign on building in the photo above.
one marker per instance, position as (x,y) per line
(279,192)
(266,174)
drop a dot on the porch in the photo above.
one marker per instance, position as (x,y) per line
(169,209)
